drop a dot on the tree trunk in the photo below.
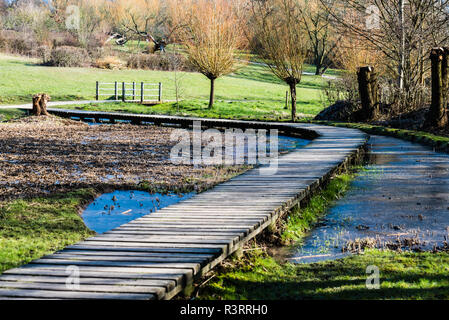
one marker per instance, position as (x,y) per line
(437,116)
(212,93)
(40,104)
(368,93)
(293,96)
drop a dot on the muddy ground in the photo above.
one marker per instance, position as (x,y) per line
(49,154)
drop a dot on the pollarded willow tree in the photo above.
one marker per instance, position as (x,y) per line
(282,40)
(212,34)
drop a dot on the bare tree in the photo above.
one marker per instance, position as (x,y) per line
(211,37)
(282,40)
(322,37)
(155,21)
(403,31)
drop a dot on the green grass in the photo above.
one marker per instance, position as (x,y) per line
(302,220)
(402,276)
(224,110)
(23,77)
(8,114)
(259,276)
(31,228)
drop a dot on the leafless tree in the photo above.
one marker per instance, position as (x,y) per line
(403,31)
(322,36)
(282,40)
(211,37)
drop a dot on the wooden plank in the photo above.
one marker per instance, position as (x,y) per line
(73,295)
(96,288)
(132,254)
(160,265)
(128,259)
(162,249)
(164,284)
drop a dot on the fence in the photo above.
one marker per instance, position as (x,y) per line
(129,91)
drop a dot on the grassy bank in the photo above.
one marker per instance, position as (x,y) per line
(251,83)
(402,276)
(223,110)
(31,228)
(260,276)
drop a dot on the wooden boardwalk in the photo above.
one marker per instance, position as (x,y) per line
(161,254)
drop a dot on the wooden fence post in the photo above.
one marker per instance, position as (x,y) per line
(142,92)
(116,90)
(97,91)
(437,115)
(160,91)
(134,91)
(369,92)
(123,91)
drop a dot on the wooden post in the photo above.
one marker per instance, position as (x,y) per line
(123,91)
(437,115)
(97,91)
(134,91)
(369,93)
(142,92)
(116,90)
(160,91)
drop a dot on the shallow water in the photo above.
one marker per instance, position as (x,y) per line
(402,194)
(111,210)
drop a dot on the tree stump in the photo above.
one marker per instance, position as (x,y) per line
(437,116)
(369,92)
(40,104)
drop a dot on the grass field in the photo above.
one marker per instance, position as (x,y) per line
(253,85)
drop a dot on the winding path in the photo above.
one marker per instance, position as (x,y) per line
(160,255)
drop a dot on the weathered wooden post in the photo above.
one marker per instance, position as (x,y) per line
(369,92)
(142,92)
(160,92)
(97,91)
(40,104)
(123,91)
(437,115)
(116,90)
(134,91)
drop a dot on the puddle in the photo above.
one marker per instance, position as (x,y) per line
(400,199)
(112,210)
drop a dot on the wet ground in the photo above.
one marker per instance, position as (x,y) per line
(400,200)
(111,210)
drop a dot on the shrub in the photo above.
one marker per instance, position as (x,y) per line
(67,56)
(44,52)
(109,62)
(157,61)
(17,43)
